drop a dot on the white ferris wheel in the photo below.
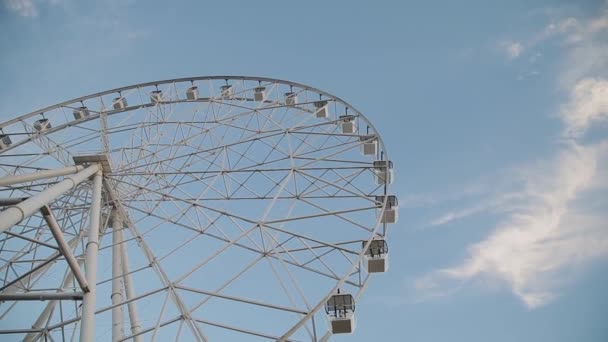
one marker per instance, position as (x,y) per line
(220,208)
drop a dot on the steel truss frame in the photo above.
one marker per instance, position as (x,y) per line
(240,179)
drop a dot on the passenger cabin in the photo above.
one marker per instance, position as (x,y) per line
(192,93)
(119,103)
(5,141)
(226,91)
(259,94)
(369,147)
(291,99)
(80,113)
(321,110)
(390,213)
(42,125)
(348,124)
(384,171)
(340,309)
(376,256)
(156,96)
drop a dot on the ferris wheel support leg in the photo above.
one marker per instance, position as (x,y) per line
(28,177)
(130,293)
(195,328)
(87,329)
(117,273)
(24,209)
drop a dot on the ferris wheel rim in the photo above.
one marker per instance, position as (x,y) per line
(199,78)
(205,78)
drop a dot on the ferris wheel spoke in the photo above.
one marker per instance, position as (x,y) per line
(211,175)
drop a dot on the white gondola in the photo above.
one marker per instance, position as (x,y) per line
(376,256)
(192,93)
(291,99)
(340,309)
(119,103)
(390,213)
(226,91)
(156,96)
(321,110)
(384,171)
(80,113)
(348,124)
(259,94)
(5,141)
(42,125)
(369,147)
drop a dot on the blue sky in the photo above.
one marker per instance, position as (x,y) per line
(494,114)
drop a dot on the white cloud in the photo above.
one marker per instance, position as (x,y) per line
(27,8)
(24,8)
(552,230)
(557,221)
(494,203)
(512,49)
(589,103)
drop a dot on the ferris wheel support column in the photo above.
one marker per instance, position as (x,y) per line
(117,273)
(18,212)
(87,330)
(130,293)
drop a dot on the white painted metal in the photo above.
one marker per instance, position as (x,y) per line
(18,212)
(227,91)
(340,309)
(42,125)
(291,98)
(29,177)
(5,141)
(384,171)
(390,212)
(117,281)
(48,309)
(41,296)
(156,96)
(65,249)
(376,256)
(130,294)
(119,103)
(87,329)
(81,113)
(259,94)
(207,177)
(321,110)
(370,145)
(349,124)
(192,93)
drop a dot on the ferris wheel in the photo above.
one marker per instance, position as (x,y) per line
(220,208)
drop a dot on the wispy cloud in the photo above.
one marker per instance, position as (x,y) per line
(553,229)
(493,203)
(552,224)
(24,8)
(589,104)
(27,8)
(512,49)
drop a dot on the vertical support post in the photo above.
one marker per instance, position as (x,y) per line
(130,293)
(87,329)
(117,282)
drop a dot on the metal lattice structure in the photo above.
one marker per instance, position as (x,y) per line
(208,208)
